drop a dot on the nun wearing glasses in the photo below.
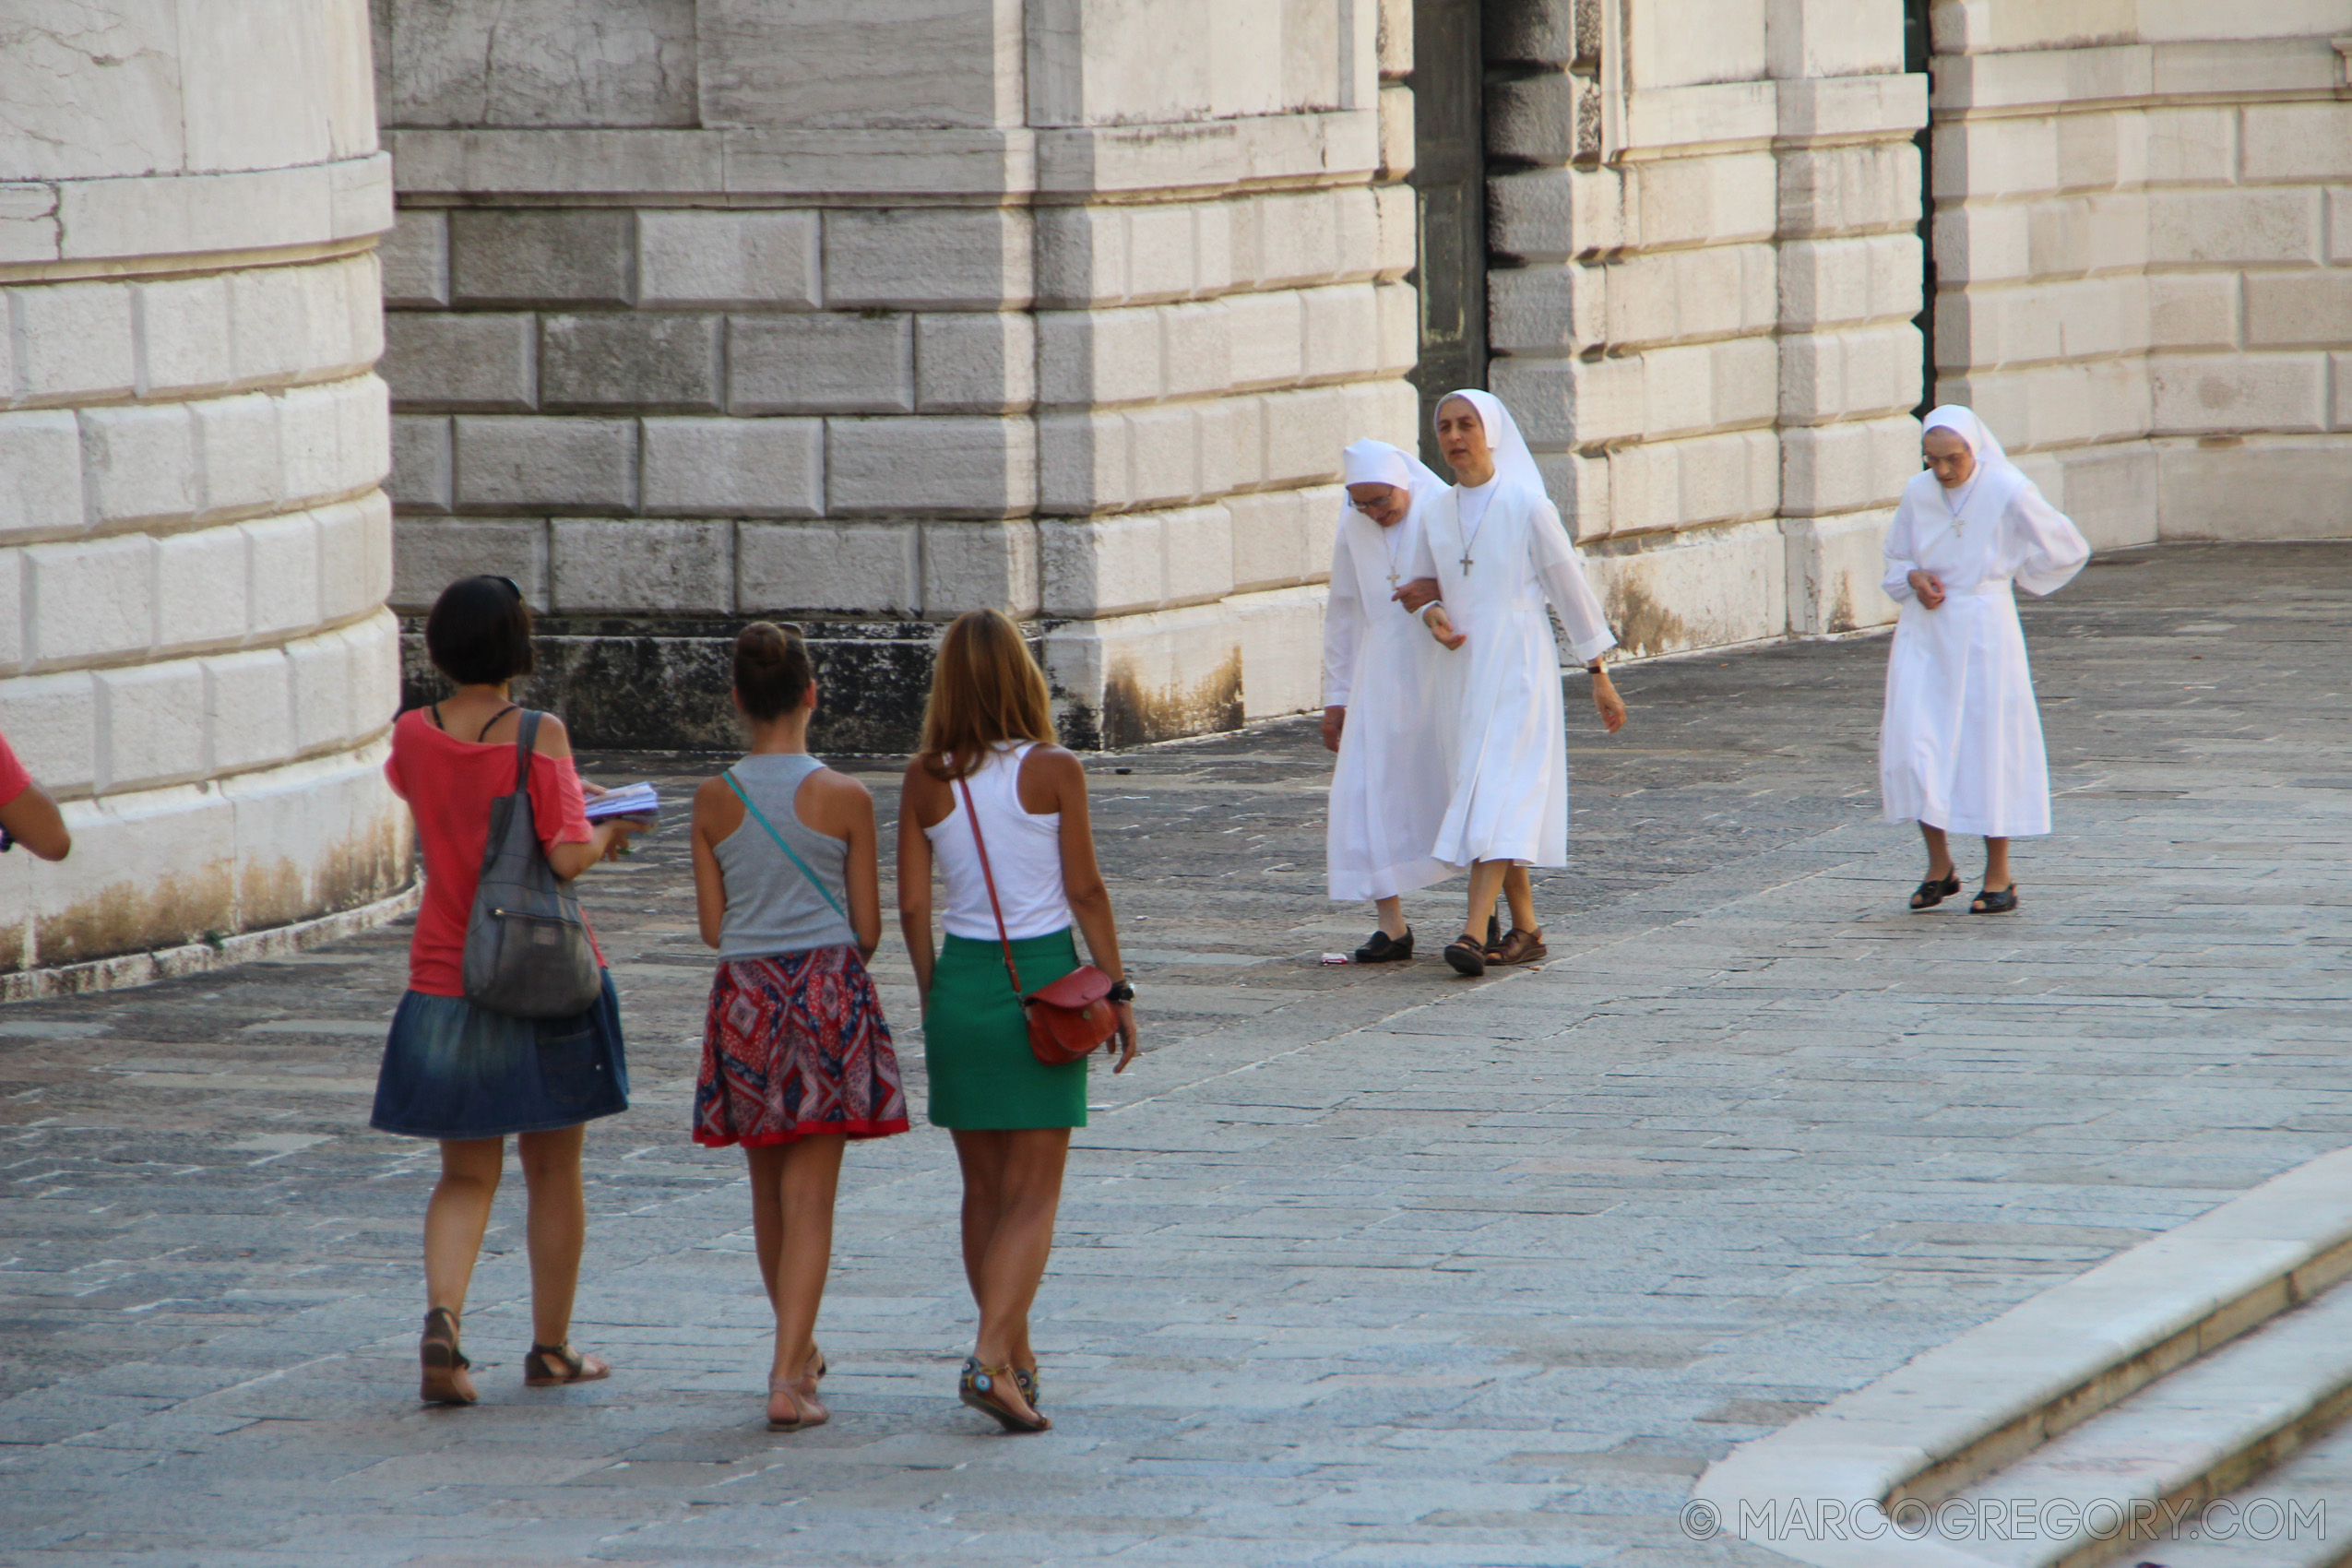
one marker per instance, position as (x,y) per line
(1960,747)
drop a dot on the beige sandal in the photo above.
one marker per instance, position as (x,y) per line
(798,1394)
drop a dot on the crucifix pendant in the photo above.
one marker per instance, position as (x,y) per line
(1465,559)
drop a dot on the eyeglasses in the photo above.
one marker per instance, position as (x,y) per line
(1366,507)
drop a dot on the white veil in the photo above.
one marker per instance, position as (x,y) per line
(1962,421)
(1514,464)
(1382,462)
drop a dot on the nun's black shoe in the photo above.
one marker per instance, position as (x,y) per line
(1990,903)
(1928,895)
(1385,949)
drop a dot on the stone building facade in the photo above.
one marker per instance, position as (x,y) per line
(866,315)
(195,550)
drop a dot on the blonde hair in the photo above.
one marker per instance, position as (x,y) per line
(985,689)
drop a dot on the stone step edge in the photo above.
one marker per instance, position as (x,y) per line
(2260,1440)
(127,969)
(1966,1408)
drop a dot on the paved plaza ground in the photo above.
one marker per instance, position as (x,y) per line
(1359,1266)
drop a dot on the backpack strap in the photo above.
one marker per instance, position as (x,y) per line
(815,881)
(526,733)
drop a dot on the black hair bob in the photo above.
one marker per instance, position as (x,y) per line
(480,632)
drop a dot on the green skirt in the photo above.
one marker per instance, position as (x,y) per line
(976,1042)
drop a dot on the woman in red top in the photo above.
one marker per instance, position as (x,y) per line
(459,1073)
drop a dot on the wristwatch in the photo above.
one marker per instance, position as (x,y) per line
(1122,992)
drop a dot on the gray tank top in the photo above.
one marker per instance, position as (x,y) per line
(771,906)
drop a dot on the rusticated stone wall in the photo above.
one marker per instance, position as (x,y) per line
(195,654)
(865,316)
(2143,245)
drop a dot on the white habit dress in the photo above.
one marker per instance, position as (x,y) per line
(1395,767)
(1509,801)
(1960,747)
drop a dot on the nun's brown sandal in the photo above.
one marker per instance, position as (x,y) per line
(444,1381)
(1521,947)
(553,1366)
(1467,955)
(981,1388)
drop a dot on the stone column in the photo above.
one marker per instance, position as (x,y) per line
(1851,272)
(194,552)
(867,315)
(1636,340)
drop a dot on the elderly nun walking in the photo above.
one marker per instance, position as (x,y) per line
(1390,696)
(1497,553)
(1960,748)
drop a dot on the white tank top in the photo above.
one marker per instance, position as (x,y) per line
(1024,850)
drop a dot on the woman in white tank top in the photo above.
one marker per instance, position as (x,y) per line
(989,761)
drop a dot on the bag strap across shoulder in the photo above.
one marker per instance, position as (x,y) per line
(971,817)
(815,881)
(525,735)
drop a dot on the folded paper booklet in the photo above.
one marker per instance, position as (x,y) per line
(631,800)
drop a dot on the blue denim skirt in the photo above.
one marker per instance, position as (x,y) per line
(453,1070)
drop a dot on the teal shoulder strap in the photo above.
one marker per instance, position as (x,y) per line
(815,881)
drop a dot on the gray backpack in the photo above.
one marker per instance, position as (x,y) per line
(527,953)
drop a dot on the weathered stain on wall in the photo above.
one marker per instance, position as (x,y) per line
(1135,715)
(1642,624)
(218,900)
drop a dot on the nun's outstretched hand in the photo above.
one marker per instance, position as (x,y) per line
(1416,594)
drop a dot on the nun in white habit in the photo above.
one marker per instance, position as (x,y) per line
(1960,748)
(1496,549)
(1389,694)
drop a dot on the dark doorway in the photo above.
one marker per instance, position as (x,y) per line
(1449,184)
(1918,51)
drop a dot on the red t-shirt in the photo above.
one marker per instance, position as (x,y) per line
(449,784)
(14,780)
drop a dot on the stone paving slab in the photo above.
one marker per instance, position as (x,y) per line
(1357,1267)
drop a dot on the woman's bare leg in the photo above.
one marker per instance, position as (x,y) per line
(556,1227)
(456,1215)
(1012,1190)
(1997,877)
(796,1183)
(1392,916)
(1939,852)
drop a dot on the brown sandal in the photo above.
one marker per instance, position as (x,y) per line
(553,1366)
(1521,947)
(799,1394)
(979,1389)
(444,1381)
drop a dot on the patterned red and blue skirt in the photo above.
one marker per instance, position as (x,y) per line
(795,1046)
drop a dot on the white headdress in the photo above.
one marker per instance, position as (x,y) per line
(1514,464)
(1983,443)
(1377,462)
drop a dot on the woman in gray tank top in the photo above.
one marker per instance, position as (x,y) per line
(796,1056)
